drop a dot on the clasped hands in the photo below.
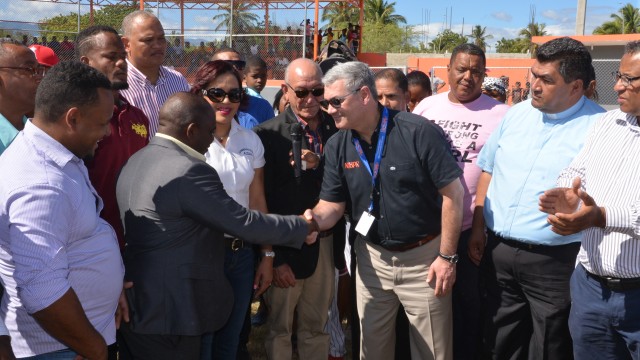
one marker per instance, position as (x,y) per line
(571,210)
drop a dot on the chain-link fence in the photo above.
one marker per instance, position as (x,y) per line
(277,32)
(606,97)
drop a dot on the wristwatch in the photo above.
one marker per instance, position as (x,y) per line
(450,258)
(270,254)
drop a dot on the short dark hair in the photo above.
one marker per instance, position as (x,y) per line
(632,47)
(182,109)
(225,50)
(471,49)
(85,41)
(394,75)
(419,78)
(66,85)
(574,60)
(209,71)
(277,98)
(255,62)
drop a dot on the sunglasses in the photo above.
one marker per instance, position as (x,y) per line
(238,64)
(337,101)
(303,93)
(217,95)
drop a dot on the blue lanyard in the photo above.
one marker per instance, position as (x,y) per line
(378,157)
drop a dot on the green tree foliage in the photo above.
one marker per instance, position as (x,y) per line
(382,12)
(479,36)
(243,18)
(628,17)
(382,38)
(517,45)
(339,14)
(532,29)
(110,15)
(446,41)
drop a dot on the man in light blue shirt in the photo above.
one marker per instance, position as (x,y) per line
(526,266)
(59,261)
(20,75)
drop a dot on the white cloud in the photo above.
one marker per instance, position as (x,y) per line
(501,15)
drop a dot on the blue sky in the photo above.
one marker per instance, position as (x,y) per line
(503,18)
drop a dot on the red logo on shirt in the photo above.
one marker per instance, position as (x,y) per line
(352,164)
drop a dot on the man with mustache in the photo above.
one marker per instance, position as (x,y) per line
(101,48)
(526,266)
(150,83)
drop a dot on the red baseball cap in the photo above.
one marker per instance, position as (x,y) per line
(45,55)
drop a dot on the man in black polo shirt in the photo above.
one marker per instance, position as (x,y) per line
(406,199)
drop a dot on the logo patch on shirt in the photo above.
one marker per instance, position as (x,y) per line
(246,152)
(351,164)
(140,129)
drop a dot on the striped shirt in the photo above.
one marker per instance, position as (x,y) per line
(148,97)
(609,171)
(52,239)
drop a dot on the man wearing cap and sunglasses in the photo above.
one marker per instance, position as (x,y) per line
(303,279)
(257,107)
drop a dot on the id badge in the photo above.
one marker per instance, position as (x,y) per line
(365,222)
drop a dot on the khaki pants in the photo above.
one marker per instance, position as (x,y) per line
(310,299)
(384,279)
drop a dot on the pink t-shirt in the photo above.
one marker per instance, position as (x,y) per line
(468,126)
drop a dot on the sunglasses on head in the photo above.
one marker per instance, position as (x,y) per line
(217,95)
(337,101)
(238,64)
(303,93)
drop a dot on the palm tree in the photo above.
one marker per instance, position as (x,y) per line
(243,18)
(380,11)
(627,21)
(339,14)
(479,36)
(532,29)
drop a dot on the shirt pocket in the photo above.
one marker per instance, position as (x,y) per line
(401,177)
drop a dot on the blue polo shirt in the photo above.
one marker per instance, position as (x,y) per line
(525,155)
(8,132)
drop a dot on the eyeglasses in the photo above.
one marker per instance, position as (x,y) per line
(238,64)
(303,93)
(217,95)
(626,80)
(33,71)
(337,101)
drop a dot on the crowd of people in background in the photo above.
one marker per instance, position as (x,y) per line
(142,210)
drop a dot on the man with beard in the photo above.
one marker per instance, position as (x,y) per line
(101,48)
(151,84)
(526,266)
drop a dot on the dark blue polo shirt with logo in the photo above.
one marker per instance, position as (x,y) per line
(416,162)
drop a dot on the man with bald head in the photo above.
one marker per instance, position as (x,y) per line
(20,75)
(150,83)
(303,279)
(175,215)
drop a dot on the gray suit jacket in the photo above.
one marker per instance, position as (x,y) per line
(175,212)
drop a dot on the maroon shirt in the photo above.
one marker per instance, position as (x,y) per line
(129,133)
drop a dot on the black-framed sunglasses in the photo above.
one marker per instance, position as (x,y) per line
(238,64)
(303,93)
(337,101)
(217,95)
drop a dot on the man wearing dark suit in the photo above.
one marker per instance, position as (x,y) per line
(303,279)
(175,212)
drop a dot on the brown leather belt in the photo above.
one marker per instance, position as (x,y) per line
(413,245)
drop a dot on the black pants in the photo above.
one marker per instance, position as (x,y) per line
(159,347)
(527,300)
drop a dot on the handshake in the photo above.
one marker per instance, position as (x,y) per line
(312,226)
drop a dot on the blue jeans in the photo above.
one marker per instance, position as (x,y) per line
(65,354)
(238,268)
(604,324)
